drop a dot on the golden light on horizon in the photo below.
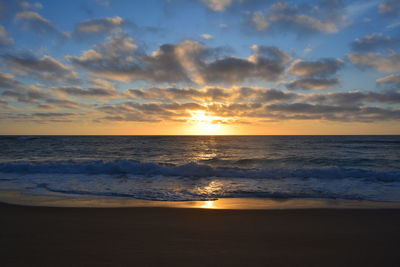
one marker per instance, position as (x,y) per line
(209,204)
(203,124)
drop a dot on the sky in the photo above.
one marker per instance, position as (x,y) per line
(189,67)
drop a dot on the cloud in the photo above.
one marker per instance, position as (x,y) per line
(305,111)
(32,21)
(5,38)
(265,64)
(210,94)
(46,68)
(217,5)
(99,26)
(26,95)
(260,21)
(7,81)
(354,98)
(20,92)
(377,61)
(322,67)
(92,92)
(280,16)
(206,36)
(27,5)
(313,83)
(374,42)
(390,7)
(315,74)
(147,112)
(393,79)
(121,59)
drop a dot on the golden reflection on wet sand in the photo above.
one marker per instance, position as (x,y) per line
(18,198)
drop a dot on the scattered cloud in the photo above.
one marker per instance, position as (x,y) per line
(390,7)
(5,38)
(99,26)
(281,16)
(375,42)
(121,59)
(354,97)
(322,67)
(217,5)
(92,92)
(391,79)
(25,5)
(206,36)
(7,81)
(32,21)
(260,21)
(313,83)
(315,74)
(377,61)
(46,68)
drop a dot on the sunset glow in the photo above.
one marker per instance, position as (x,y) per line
(202,124)
(200,67)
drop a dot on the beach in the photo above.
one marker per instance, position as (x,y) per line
(55,236)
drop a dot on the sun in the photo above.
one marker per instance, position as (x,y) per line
(203,124)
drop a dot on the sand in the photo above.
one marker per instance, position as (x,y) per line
(49,236)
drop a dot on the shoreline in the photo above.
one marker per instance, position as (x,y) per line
(63,201)
(53,236)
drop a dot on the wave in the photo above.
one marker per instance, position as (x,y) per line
(190,170)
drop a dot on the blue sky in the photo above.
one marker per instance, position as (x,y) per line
(134,64)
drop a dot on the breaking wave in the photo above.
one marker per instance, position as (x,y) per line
(127,167)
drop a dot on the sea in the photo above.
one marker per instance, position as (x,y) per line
(203,168)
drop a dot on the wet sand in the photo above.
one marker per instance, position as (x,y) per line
(49,236)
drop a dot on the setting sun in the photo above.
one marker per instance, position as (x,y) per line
(203,124)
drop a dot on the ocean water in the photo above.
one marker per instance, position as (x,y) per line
(186,168)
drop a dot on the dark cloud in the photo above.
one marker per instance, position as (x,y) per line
(211,94)
(315,74)
(20,92)
(304,111)
(375,42)
(7,81)
(52,114)
(46,68)
(64,103)
(99,27)
(377,61)
(322,67)
(304,19)
(121,59)
(92,92)
(147,112)
(355,97)
(263,95)
(266,64)
(34,22)
(313,83)
(25,96)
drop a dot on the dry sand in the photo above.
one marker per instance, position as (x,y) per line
(44,236)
